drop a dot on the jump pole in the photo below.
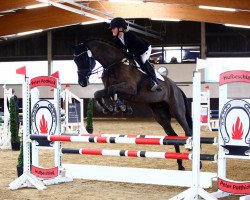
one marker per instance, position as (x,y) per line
(106,138)
(196,190)
(204,140)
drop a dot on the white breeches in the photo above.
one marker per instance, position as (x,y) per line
(146,55)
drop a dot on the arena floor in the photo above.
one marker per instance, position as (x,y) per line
(99,190)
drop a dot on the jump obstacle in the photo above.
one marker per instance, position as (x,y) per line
(73,112)
(197,179)
(5,131)
(72,121)
(143,175)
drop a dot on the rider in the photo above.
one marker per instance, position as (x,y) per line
(140,48)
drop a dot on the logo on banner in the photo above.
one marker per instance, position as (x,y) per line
(44,118)
(235,126)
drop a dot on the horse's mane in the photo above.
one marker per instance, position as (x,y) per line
(105,41)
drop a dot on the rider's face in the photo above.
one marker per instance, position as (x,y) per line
(115,31)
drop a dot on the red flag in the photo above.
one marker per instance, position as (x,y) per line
(21,70)
(67,85)
(55,74)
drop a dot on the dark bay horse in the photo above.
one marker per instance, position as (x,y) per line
(121,76)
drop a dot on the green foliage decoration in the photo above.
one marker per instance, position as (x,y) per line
(89,126)
(14,122)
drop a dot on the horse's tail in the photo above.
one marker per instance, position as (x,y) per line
(188,112)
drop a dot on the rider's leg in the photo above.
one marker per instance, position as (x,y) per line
(151,72)
(149,69)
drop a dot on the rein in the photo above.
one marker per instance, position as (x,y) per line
(111,66)
(106,69)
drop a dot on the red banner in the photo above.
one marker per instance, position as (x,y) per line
(235,76)
(43,81)
(234,187)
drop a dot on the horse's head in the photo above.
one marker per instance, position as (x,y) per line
(85,63)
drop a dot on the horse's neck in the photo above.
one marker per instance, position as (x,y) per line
(105,53)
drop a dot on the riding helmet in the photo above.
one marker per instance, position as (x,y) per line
(118,22)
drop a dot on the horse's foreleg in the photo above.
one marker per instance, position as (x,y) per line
(101,104)
(119,104)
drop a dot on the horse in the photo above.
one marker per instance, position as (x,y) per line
(121,76)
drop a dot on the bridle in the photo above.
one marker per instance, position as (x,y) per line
(81,71)
(80,53)
(106,69)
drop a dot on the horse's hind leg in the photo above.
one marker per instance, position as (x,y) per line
(184,124)
(163,117)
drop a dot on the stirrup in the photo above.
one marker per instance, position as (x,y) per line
(155,87)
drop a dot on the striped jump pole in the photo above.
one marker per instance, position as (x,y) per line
(134,153)
(114,140)
(203,140)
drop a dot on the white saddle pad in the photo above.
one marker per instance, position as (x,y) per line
(158,75)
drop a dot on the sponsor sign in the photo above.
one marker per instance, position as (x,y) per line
(44,172)
(74,113)
(234,187)
(235,126)
(235,76)
(44,118)
(43,81)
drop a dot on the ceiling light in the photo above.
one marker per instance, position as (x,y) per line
(237,26)
(29,32)
(93,22)
(218,8)
(40,5)
(166,19)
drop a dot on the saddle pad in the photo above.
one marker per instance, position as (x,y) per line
(158,75)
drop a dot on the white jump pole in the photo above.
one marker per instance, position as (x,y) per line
(26,179)
(196,191)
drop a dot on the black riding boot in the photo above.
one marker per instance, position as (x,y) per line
(149,69)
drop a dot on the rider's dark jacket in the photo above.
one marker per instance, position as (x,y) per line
(133,44)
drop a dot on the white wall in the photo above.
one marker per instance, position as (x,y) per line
(180,73)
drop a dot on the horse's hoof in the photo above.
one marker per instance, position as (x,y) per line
(110,109)
(105,111)
(123,108)
(181,168)
(128,111)
(116,110)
